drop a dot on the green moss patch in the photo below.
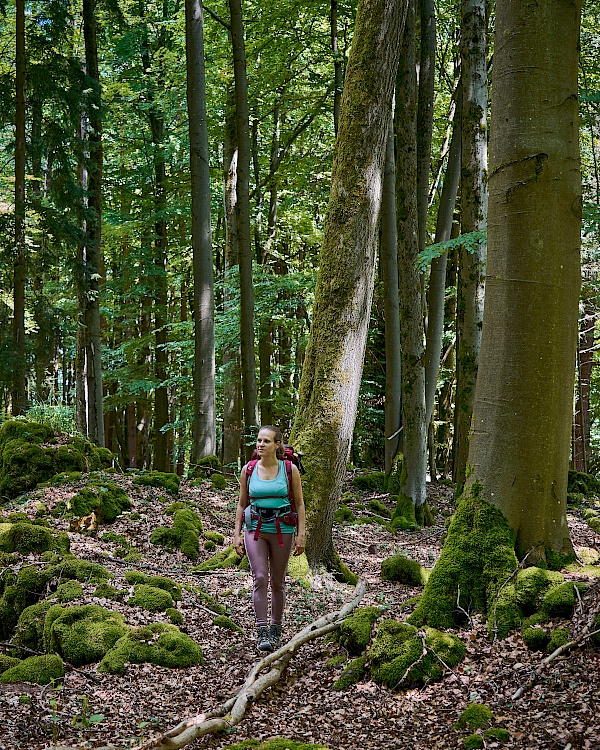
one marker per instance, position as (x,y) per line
(559,637)
(150,598)
(82,635)
(183,535)
(163,480)
(38,669)
(104,498)
(213,536)
(354,633)
(226,558)
(205,467)
(474,716)
(560,601)
(159,582)
(497,733)
(7,662)
(344,513)
(218,482)
(275,743)
(25,537)
(354,672)
(473,741)
(222,621)
(585,484)
(375,481)
(174,616)
(68,591)
(403,570)
(400,657)
(477,557)
(159,643)
(531,585)
(535,636)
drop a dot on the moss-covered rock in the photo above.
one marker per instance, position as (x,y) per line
(531,585)
(560,600)
(82,635)
(74,568)
(161,479)
(499,734)
(150,598)
(558,638)
(535,636)
(226,558)
(585,484)
(38,669)
(354,633)
(175,506)
(275,743)
(375,480)
(105,591)
(30,454)
(174,616)
(403,570)
(25,537)
(474,716)
(183,535)
(376,506)
(222,621)
(7,662)
(104,498)
(205,467)
(400,657)
(354,672)
(19,592)
(218,482)
(158,643)
(68,591)
(160,582)
(477,558)
(403,517)
(213,536)
(344,514)
(473,742)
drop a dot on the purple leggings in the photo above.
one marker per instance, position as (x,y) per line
(268,562)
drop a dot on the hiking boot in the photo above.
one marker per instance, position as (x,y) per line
(263,640)
(275,636)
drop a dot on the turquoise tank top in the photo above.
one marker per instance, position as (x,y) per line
(270,493)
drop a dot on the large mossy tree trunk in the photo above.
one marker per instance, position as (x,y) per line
(524,401)
(332,370)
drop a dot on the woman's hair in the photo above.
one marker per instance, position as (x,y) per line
(277,437)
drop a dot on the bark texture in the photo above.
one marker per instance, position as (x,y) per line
(523,410)
(332,369)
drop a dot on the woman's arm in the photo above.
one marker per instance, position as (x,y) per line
(300,542)
(238,534)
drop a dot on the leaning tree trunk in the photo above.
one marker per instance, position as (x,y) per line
(414,428)
(524,402)
(331,376)
(204,436)
(19,385)
(473,193)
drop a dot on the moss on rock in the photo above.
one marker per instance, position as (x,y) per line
(104,498)
(150,598)
(354,633)
(477,558)
(226,558)
(161,479)
(213,536)
(344,513)
(473,741)
(38,669)
(82,635)
(474,716)
(375,480)
(80,570)
(25,537)
(497,733)
(7,662)
(558,638)
(218,482)
(531,585)
(174,616)
(222,621)
(183,535)
(535,636)
(354,672)
(403,570)
(159,643)
(560,600)
(400,657)
(68,591)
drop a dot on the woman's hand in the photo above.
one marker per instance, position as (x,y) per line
(299,544)
(238,545)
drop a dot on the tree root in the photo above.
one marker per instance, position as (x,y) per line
(231,713)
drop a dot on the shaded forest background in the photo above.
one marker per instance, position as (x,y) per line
(143,281)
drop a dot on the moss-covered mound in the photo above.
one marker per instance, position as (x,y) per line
(30,626)
(222,621)
(403,570)
(354,633)
(373,481)
(25,537)
(19,591)
(82,635)
(275,743)
(560,601)
(205,467)
(68,591)
(158,643)
(150,598)
(74,568)
(534,634)
(477,558)
(6,662)
(183,535)
(354,672)
(39,669)
(532,584)
(159,582)
(227,558)
(31,453)
(104,498)
(585,484)
(474,716)
(400,657)
(161,479)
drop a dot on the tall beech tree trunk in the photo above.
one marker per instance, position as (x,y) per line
(414,428)
(19,381)
(93,230)
(473,192)
(332,370)
(249,389)
(523,409)
(389,273)
(204,435)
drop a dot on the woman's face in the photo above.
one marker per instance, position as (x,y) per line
(265,443)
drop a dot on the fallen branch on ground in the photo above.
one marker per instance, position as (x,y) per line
(231,713)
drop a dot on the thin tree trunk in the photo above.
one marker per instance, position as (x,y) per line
(585,362)
(332,370)
(19,384)
(425,112)
(338,64)
(414,432)
(524,402)
(389,272)
(204,442)
(249,391)
(473,191)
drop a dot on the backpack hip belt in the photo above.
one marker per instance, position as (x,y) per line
(285,514)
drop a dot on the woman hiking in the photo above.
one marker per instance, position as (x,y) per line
(267,525)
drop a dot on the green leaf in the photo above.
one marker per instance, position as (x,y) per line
(470,241)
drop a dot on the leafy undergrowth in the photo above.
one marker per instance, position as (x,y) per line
(92,709)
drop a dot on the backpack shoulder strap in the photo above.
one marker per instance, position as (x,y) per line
(250,466)
(288,471)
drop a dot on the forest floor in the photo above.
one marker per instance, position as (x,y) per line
(90,710)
